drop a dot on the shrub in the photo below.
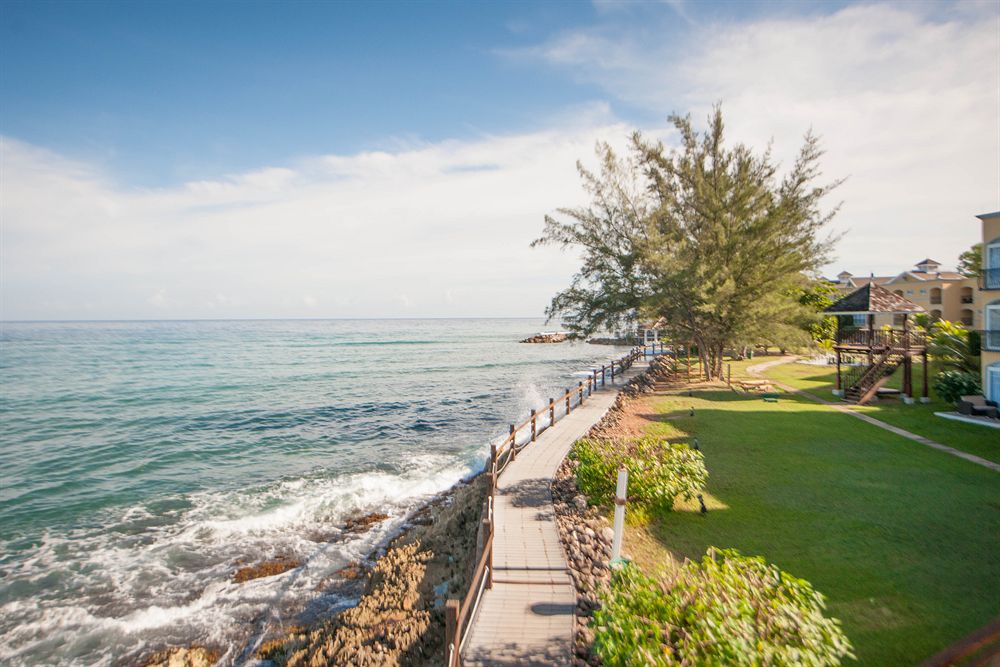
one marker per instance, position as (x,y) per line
(950,344)
(726,610)
(950,385)
(658,472)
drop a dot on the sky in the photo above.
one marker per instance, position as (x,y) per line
(239,160)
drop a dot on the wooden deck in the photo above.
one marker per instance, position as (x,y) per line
(528,616)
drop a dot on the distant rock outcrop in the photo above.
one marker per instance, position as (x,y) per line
(547,338)
(610,341)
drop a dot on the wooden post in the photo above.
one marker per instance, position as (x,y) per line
(552,411)
(924,355)
(568,407)
(729,374)
(871,335)
(838,368)
(488,536)
(603,379)
(534,425)
(595,378)
(590,386)
(612,372)
(621,496)
(493,469)
(580,391)
(451,610)
(513,443)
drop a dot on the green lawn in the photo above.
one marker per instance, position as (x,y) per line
(917,418)
(902,539)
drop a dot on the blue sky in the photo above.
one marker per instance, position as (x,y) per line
(163,92)
(209,159)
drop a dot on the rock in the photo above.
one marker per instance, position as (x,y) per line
(608,534)
(195,656)
(267,568)
(547,338)
(360,524)
(580,501)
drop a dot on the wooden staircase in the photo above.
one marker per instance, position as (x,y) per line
(866,385)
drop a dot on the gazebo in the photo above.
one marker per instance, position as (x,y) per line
(873,355)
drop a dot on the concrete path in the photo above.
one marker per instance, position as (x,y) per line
(850,409)
(528,617)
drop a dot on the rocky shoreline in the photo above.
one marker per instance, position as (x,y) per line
(401,589)
(402,585)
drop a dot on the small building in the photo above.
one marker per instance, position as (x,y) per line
(872,354)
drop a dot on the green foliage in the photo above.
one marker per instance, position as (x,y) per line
(970,262)
(949,344)
(707,236)
(950,385)
(726,610)
(658,472)
(816,298)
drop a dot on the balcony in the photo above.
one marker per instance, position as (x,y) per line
(990,279)
(875,339)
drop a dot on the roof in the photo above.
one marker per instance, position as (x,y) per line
(985,216)
(872,298)
(928,261)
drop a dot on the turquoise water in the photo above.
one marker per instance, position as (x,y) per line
(142,462)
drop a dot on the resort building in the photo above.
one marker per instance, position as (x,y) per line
(989,296)
(944,295)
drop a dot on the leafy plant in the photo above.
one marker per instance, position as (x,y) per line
(658,472)
(951,385)
(949,344)
(727,609)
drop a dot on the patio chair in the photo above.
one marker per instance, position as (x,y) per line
(978,406)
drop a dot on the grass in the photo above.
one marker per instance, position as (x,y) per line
(902,539)
(918,418)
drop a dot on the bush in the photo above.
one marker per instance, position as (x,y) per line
(951,385)
(658,472)
(726,610)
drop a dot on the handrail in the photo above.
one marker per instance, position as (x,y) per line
(501,454)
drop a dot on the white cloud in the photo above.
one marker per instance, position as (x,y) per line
(907,104)
(431,229)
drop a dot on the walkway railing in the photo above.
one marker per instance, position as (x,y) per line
(458,613)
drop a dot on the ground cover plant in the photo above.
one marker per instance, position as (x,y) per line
(900,538)
(658,472)
(726,609)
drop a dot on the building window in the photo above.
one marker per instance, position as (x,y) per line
(898,320)
(859,320)
(991,268)
(968,295)
(967,316)
(992,387)
(991,326)
(898,292)
(935,294)
(909,292)
(935,315)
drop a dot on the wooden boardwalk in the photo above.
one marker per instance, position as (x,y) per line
(528,616)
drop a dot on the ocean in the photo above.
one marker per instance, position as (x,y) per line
(142,462)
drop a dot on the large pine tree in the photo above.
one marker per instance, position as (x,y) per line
(707,237)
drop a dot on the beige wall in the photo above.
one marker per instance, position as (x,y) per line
(950,293)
